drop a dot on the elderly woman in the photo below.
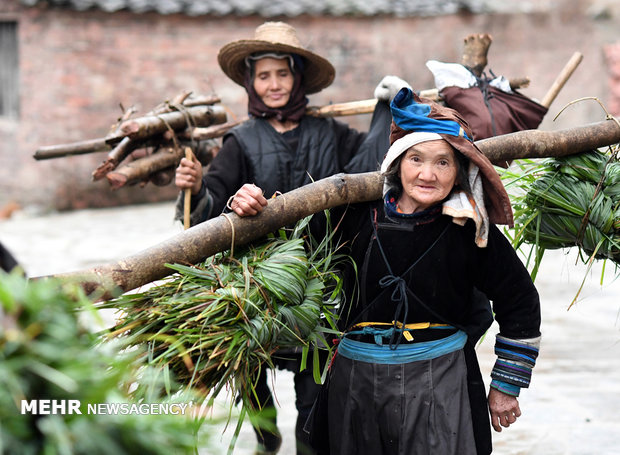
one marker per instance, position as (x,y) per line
(405,378)
(280,149)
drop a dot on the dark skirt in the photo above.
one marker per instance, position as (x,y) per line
(421,407)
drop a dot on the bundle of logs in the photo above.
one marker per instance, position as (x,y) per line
(149,147)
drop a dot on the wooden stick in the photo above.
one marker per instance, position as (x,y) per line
(368,106)
(75,148)
(559,82)
(118,154)
(358,107)
(142,168)
(139,128)
(187,203)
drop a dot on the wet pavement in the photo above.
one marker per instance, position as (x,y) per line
(572,407)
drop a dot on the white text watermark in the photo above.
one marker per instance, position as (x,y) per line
(65,407)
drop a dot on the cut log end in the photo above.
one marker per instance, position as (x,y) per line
(103,169)
(116,180)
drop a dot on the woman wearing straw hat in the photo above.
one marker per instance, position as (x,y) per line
(405,378)
(279,149)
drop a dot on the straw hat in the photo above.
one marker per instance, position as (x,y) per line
(276,37)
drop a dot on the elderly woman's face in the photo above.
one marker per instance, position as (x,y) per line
(428,173)
(273,81)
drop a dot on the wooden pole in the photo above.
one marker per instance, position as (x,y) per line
(144,127)
(544,144)
(214,235)
(561,79)
(76,148)
(187,202)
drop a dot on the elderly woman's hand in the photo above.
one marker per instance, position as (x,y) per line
(504,409)
(188,175)
(248,201)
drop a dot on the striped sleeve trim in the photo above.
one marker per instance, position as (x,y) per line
(516,359)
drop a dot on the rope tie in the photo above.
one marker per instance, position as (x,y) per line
(400,290)
(399,296)
(232,235)
(599,187)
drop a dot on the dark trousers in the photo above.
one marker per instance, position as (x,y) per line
(306,391)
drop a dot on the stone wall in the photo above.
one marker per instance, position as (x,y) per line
(77,68)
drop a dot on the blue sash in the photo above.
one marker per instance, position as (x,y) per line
(404,353)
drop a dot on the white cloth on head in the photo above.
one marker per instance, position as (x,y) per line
(400,146)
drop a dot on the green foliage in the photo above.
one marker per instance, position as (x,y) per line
(217,323)
(46,353)
(572,201)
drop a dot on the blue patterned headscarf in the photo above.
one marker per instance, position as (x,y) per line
(410,115)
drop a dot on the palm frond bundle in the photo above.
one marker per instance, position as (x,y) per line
(215,324)
(572,201)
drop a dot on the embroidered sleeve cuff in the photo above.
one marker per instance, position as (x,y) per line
(506,388)
(515,361)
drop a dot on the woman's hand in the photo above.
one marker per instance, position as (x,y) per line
(188,175)
(248,201)
(504,409)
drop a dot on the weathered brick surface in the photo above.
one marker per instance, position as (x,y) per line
(77,67)
(612,57)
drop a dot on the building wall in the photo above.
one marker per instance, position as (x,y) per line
(77,68)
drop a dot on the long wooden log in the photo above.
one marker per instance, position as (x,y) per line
(214,235)
(217,234)
(213,131)
(184,100)
(140,169)
(543,144)
(144,127)
(147,168)
(200,100)
(77,148)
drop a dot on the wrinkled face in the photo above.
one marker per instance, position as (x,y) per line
(273,81)
(428,173)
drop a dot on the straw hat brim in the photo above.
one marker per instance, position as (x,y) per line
(318,72)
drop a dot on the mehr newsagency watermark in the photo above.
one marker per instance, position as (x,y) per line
(66,407)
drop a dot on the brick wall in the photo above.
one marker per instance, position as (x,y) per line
(77,67)
(612,58)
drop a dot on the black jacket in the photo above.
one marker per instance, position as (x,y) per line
(319,147)
(441,266)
